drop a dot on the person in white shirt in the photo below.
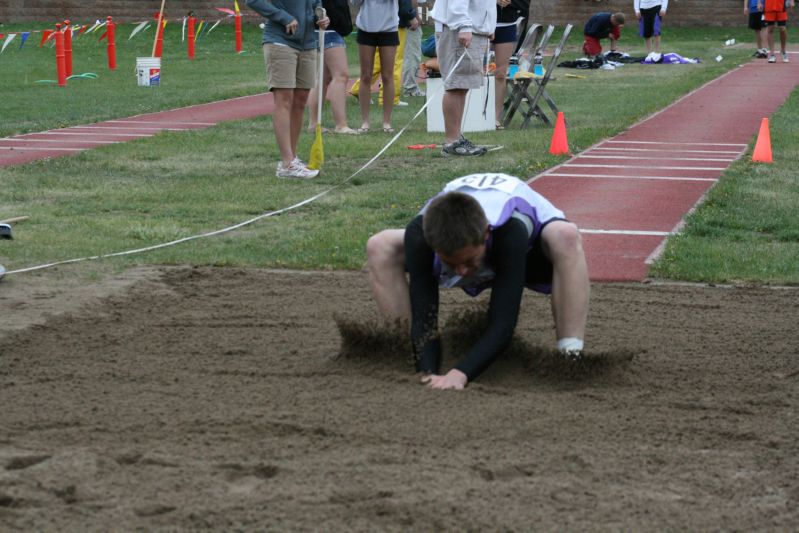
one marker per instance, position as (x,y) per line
(650,14)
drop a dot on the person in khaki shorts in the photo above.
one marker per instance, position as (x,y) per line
(463,30)
(290,45)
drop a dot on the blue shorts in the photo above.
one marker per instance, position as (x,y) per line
(505,34)
(333,39)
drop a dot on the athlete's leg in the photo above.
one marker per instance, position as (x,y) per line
(385,253)
(562,245)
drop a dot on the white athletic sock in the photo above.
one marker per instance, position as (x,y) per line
(570,344)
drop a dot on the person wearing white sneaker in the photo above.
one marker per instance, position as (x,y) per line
(753,9)
(775,13)
(290,45)
(650,14)
(295,169)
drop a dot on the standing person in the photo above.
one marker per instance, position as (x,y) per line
(775,13)
(465,29)
(377,24)
(334,85)
(407,20)
(754,10)
(481,231)
(602,26)
(505,40)
(290,55)
(650,15)
(412,57)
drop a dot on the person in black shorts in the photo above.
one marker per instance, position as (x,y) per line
(753,9)
(482,231)
(378,29)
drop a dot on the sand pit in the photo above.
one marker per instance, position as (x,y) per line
(225,398)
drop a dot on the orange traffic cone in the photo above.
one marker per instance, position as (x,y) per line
(762,153)
(559,143)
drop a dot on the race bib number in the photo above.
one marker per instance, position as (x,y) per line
(500,182)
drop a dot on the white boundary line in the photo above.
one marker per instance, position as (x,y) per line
(730,152)
(642,166)
(121,128)
(84,133)
(618,176)
(42,149)
(653,158)
(661,143)
(14,139)
(157,122)
(626,232)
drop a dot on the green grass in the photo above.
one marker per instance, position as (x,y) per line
(148,191)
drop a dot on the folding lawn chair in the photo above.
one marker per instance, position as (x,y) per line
(520,86)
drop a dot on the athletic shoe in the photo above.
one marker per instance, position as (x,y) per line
(296,169)
(785,57)
(400,103)
(772,59)
(462,146)
(414,92)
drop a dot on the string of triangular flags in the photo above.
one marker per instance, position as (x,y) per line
(47,36)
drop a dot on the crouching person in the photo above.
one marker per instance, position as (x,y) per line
(482,231)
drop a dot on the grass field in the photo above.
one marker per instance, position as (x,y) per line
(174,185)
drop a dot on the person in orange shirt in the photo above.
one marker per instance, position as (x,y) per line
(775,13)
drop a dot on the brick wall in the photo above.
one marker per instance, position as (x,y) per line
(559,12)
(680,12)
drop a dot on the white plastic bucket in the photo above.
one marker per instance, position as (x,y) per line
(148,71)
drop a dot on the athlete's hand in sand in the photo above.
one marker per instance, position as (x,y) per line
(454,379)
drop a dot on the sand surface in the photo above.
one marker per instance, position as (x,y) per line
(186,398)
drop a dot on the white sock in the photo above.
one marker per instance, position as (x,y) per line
(570,344)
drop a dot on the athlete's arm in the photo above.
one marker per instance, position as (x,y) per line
(508,259)
(424,299)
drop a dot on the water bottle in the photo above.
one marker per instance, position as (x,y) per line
(513,66)
(538,67)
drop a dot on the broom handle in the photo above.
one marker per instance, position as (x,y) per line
(320,14)
(158,27)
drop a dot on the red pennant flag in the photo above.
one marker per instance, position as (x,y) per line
(103,36)
(83,28)
(46,35)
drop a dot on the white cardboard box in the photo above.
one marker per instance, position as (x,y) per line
(478,114)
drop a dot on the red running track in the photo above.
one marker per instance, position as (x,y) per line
(629,193)
(67,141)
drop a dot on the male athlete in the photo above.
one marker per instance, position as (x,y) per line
(481,231)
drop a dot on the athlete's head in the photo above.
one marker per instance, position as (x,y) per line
(456,227)
(617,19)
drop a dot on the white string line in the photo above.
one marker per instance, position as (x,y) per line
(254,219)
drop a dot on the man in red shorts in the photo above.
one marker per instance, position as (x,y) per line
(601,26)
(775,14)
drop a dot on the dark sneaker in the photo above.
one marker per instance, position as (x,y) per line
(462,146)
